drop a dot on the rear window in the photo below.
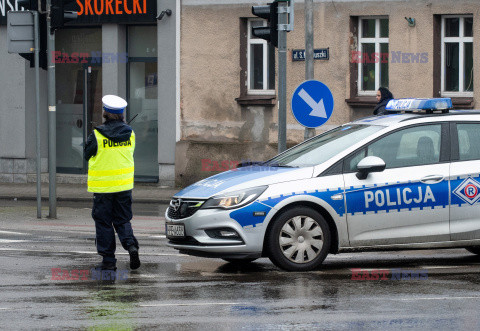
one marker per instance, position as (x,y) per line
(468,141)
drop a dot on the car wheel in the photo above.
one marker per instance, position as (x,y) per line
(299,240)
(239,261)
(474,249)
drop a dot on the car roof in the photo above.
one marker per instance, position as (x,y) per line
(384,120)
(392,119)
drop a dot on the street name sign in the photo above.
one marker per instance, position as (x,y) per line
(318,54)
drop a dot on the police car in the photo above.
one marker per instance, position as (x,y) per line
(406,180)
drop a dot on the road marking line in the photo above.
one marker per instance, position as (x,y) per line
(12,232)
(160,236)
(66,224)
(76,231)
(9,241)
(148,218)
(438,298)
(84,252)
(192,304)
(441,267)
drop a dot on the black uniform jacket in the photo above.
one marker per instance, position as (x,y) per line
(116,131)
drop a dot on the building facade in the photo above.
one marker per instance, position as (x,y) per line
(202,90)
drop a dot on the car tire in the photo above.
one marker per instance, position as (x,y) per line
(239,261)
(299,239)
(474,249)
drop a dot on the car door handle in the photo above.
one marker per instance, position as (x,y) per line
(432,179)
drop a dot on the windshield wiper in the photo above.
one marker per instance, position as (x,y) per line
(279,165)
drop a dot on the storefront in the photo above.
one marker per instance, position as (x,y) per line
(112,48)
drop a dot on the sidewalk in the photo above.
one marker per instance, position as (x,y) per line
(142,193)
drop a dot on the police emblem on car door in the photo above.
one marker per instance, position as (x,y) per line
(408,201)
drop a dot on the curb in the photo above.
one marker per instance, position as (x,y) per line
(72,199)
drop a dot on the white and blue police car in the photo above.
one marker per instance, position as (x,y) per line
(406,180)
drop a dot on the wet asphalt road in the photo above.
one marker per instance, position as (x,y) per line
(173,291)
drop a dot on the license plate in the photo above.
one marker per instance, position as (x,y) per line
(175,230)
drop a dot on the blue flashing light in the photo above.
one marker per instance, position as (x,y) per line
(443,104)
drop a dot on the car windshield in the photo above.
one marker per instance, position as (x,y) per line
(323,147)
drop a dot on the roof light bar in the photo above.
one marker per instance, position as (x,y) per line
(435,104)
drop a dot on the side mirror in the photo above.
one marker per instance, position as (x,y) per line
(368,165)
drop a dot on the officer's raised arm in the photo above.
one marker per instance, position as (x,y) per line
(90,148)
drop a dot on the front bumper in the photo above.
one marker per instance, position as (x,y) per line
(197,242)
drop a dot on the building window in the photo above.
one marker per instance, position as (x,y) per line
(142,94)
(373,54)
(260,62)
(457,56)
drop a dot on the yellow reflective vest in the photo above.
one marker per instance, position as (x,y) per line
(111,169)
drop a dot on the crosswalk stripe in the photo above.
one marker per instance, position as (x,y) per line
(83,252)
(191,304)
(12,232)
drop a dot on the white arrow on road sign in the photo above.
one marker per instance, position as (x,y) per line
(318,108)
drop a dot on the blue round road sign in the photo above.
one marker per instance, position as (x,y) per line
(312,104)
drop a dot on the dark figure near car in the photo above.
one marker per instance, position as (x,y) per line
(383,97)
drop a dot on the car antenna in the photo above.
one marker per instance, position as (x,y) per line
(132,119)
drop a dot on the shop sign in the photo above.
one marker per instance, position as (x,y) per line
(113,11)
(99,11)
(6,6)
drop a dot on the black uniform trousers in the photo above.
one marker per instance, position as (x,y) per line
(113,212)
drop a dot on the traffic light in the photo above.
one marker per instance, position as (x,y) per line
(59,16)
(42,21)
(270,13)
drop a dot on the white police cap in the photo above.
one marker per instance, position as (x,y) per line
(114,104)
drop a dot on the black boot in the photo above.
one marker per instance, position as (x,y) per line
(134,259)
(106,266)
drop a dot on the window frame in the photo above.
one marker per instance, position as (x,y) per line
(446,145)
(266,63)
(377,40)
(134,59)
(461,40)
(455,147)
(128,115)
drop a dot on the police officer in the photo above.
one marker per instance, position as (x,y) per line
(109,152)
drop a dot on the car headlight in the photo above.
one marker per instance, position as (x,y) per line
(231,200)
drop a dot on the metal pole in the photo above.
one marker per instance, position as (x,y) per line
(282,76)
(52,121)
(309,69)
(37,105)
